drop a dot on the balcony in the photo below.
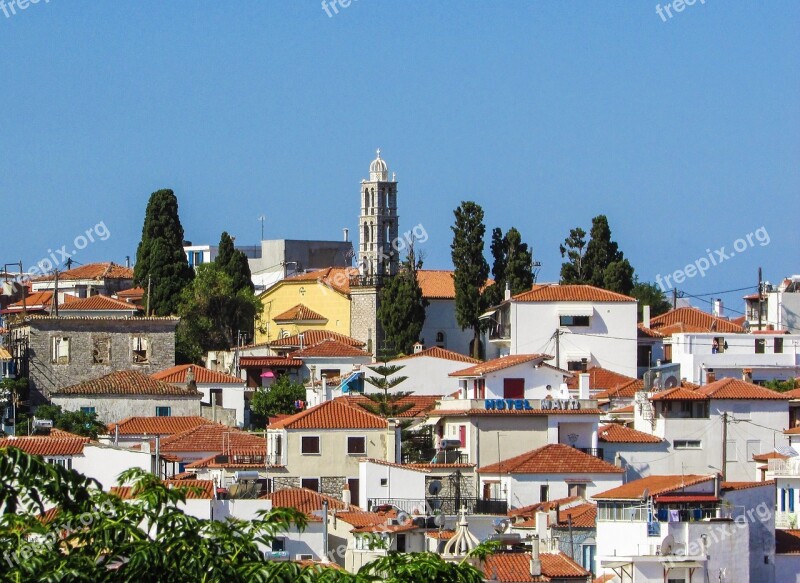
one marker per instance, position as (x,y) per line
(449,506)
(785,520)
(499,332)
(786,468)
(593,451)
(434,456)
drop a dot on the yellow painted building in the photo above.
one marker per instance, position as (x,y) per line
(319,300)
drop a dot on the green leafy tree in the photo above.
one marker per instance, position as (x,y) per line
(98,537)
(782,386)
(649,294)
(277,399)
(160,257)
(212,314)
(234,263)
(401,309)
(471,269)
(573,248)
(78,422)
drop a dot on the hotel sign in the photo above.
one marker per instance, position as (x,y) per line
(525,405)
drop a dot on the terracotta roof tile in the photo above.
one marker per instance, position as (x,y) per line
(440,534)
(132,293)
(305,500)
(329,348)
(336,414)
(155,425)
(126,382)
(555,458)
(773,455)
(235,458)
(653,485)
(622,410)
(624,391)
(546,506)
(212,437)
(46,446)
(614,433)
(312,337)
(300,313)
(443,353)
(496,364)
(202,375)
(95,271)
(206,489)
(736,389)
(337,278)
(436,284)
(360,519)
(422,468)
(645,332)
(787,542)
(420,404)
(679,394)
(97,303)
(269,362)
(600,378)
(690,319)
(583,516)
(731,486)
(515,567)
(551,292)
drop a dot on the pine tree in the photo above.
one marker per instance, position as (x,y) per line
(471,269)
(234,263)
(573,271)
(160,259)
(384,403)
(402,306)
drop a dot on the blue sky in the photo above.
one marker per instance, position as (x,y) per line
(685,133)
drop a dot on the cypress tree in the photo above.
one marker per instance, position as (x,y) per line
(402,307)
(160,256)
(234,263)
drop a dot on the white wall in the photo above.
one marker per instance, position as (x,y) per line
(428,375)
(400,482)
(536,381)
(105,463)
(440,316)
(610,341)
(232,398)
(114,408)
(524,489)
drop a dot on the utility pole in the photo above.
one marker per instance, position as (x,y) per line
(148,295)
(674,299)
(724,445)
(558,348)
(759,298)
(55,293)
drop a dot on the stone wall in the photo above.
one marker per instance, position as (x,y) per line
(115,338)
(115,408)
(364,325)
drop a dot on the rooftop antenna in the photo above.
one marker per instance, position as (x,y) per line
(262,218)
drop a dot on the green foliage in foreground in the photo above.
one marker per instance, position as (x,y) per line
(98,537)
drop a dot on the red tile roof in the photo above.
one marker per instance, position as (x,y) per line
(133,293)
(361,519)
(730,486)
(202,375)
(337,278)
(35,301)
(155,425)
(645,332)
(126,382)
(436,284)
(624,391)
(336,414)
(622,410)
(600,378)
(614,433)
(420,404)
(329,349)
(583,516)
(653,485)
(515,567)
(443,353)
(300,313)
(95,271)
(531,510)
(773,455)
(212,437)
(555,458)
(422,468)
(304,500)
(551,292)
(736,389)
(269,362)
(206,489)
(787,542)
(97,304)
(46,446)
(312,337)
(235,458)
(496,364)
(689,319)
(679,394)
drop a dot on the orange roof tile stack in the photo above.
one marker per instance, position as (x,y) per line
(570,293)
(555,458)
(156,425)
(515,567)
(443,353)
(126,382)
(46,446)
(496,364)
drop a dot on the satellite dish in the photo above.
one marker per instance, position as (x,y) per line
(501,525)
(402,517)
(645,494)
(434,487)
(667,544)
(438,520)
(549,387)
(671,382)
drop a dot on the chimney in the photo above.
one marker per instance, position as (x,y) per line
(718,307)
(584,364)
(507,294)
(346,232)
(747,375)
(583,385)
(711,376)
(716,485)
(346,496)
(536,563)
(127,261)
(190,382)
(646,316)
(541,525)
(418,347)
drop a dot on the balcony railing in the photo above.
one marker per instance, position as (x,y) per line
(783,468)
(435,456)
(500,332)
(439,505)
(594,451)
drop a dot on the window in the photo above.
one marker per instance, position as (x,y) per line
(357,445)
(141,350)
(401,543)
(574,320)
(718,345)
(309,444)
(778,346)
(544,493)
(278,544)
(513,388)
(687,444)
(63,462)
(88,410)
(163,411)
(440,339)
(310,484)
(761,343)
(575,365)
(60,350)
(101,350)
(588,550)
(730,453)
(384,481)
(577,490)
(279,446)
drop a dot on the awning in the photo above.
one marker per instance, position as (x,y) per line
(489,314)
(678,564)
(575,310)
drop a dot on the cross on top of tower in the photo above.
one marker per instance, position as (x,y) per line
(378,170)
